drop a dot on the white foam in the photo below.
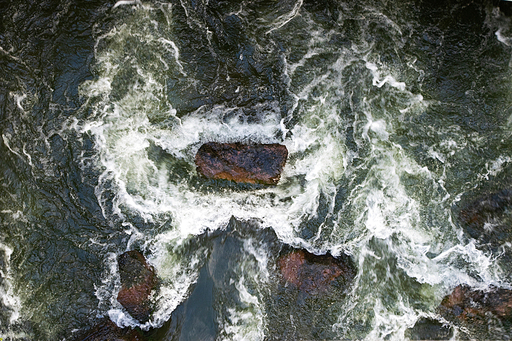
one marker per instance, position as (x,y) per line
(495,167)
(127,2)
(246,321)
(388,79)
(503,38)
(9,299)
(176,274)
(287,17)
(381,206)
(107,290)
(389,324)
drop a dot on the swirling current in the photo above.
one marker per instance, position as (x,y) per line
(396,114)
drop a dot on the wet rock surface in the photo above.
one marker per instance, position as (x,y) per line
(481,314)
(484,213)
(315,274)
(309,294)
(428,329)
(137,281)
(314,292)
(256,164)
(477,306)
(107,330)
(488,219)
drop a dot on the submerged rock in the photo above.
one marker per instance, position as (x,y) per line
(428,329)
(137,281)
(315,274)
(306,300)
(257,164)
(471,306)
(108,330)
(489,221)
(486,210)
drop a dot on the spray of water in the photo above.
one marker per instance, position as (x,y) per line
(349,172)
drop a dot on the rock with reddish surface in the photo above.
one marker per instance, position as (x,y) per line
(108,330)
(488,210)
(470,306)
(315,274)
(137,281)
(255,164)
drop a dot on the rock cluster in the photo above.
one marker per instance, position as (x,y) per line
(303,274)
(482,313)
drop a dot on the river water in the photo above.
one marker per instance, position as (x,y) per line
(395,114)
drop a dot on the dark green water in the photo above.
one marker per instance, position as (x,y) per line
(395,113)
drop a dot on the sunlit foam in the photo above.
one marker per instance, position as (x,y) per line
(246,321)
(503,38)
(378,82)
(9,298)
(379,204)
(123,132)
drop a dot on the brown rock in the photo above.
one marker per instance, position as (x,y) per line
(257,164)
(486,209)
(476,306)
(108,330)
(137,282)
(315,274)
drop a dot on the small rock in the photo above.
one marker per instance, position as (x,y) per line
(108,330)
(137,282)
(256,164)
(476,306)
(315,274)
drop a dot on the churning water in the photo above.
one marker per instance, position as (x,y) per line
(395,114)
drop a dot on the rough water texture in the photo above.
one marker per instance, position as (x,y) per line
(261,164)
(108,330)
(396,117)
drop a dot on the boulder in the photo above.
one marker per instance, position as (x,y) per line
(137,281)
(315,274)
(255,164)
(472,306)
(108,330)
